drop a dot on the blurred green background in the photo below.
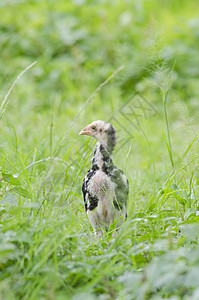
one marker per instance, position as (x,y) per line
(77,45)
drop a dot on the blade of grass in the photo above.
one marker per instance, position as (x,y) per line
(6,100)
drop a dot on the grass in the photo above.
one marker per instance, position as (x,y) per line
(47,248)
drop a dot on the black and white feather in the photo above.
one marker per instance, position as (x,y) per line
(105,188)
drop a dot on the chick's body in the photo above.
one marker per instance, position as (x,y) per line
(105,187)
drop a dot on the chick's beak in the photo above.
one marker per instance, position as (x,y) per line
(87,130)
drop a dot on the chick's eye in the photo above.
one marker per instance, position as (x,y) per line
(93,127)
(100,130)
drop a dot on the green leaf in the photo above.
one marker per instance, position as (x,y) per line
(11,179)
(9,199)
(22,192)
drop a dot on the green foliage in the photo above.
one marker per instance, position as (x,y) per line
(47,247)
